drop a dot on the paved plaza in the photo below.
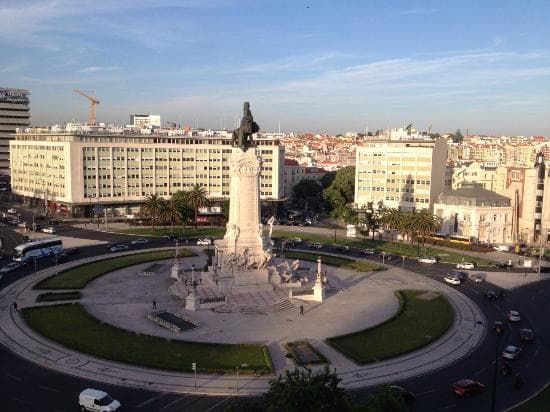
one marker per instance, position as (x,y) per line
(357,301)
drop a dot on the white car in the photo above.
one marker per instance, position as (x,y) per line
(502,248)
(204,242)
(426,259)
(48,230)
(452,280)
(478,277)
(95,400)
(511,352)
(296,240)
(12,211)
(117,248)
(140,242)
(465,265)
(514,316)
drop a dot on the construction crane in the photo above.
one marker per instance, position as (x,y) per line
(91,109)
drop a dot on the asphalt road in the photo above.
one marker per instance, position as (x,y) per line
(27,387)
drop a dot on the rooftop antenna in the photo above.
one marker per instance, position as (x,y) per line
(279,127)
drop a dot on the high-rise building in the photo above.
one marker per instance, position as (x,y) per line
(74,172)
(400,174)
(14,114)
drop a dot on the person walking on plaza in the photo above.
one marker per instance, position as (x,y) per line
(154,304)
(301,309)
(15,306)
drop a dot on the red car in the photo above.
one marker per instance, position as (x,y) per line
(467,387)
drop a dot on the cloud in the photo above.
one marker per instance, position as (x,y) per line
(97,69)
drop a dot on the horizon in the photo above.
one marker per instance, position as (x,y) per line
(318,67)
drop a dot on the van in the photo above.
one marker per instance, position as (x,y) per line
(502,248)
(95,400)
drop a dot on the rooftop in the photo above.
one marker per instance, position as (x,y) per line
(473,195)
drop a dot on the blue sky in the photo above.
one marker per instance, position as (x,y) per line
(320,66)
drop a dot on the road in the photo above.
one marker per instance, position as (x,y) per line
(26,387)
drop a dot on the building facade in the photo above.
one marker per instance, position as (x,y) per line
(474,172)
(401,174)
(14,114)
(476,213)
(145,120)
(294,173)
(78,171)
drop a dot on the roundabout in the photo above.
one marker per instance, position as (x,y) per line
(357,301)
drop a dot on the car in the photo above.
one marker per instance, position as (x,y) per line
(502,248)
(511,352)
(22,224)
(37,227)
(478,277)
(315,245)
(296,240)
(49,229)
(140,242)
(96,400)
(526,335)
(466,387)
(117,248)
(466,265)
(343,249)
(513,316)
(491,295)
(53,221)
(503,265)
(12,211)
(407,396)
(458,274)
(60,258)
(452,280)
(10,267)
(369,252)
(204,242)
(428,259)
(498,327)
(13,222)
(71,251)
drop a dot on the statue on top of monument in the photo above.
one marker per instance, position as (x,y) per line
(242,136)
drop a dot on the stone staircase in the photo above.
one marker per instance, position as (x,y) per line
(258,303)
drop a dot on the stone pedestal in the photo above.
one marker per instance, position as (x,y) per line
(192,302)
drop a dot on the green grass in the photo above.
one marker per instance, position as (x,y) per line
(417,323)
(540,403)
(358,265)
(79,276)
(59,323)
(53,297)
(178,230)
(397,248)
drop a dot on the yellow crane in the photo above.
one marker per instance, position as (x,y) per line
(91,109)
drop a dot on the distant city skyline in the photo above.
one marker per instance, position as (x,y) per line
(315,66)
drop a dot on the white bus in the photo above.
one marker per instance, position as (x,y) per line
(37,249)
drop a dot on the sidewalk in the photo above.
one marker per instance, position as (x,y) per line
(466,333)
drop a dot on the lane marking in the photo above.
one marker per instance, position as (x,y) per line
(174,402)
(217,404)
(150,400)
(16,378)
(47,388)
(22,401)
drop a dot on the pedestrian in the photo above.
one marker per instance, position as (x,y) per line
(15,306)
(154,304)
(301,309)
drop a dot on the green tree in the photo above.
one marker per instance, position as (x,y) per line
(391,219)
(171,213)
(425,224)
(196,199)
(307,194)
(384,399)
(224,204)
(153,206)
(372,217)
(406,225)
(346,214)
(327,179)
(299,391)
(342,189)
(180,202)
(458,137)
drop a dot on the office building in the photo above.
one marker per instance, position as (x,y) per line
(145,120)
(74,172)
(14,114)
(401,174)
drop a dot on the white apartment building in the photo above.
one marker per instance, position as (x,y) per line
(476,213)
(74,172)
(145,120)
(402,174)
(14,114)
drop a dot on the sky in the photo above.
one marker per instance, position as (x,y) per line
(317,66)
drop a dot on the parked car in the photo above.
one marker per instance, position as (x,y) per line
(466,265)
(491,295)
(503,265)
(204,242)
(138,242)
(49,229)
(407,396)
(10,267)
(511,352)
(452,280)
(502,248)
(427,259)
(118,248)
(526,335)
(95,400)
(296,240)
(316,245)
(467,387)
(369,251)
(12,211)
(513,316)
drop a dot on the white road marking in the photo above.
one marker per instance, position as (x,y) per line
(22,401)
(217,404)
(47,388)
(14,377)
(150,400)
(174,402)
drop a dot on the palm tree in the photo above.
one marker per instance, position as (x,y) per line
(196,198)
(171,212)
(391,219)
(153,206)
(425,224)
(406,224)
